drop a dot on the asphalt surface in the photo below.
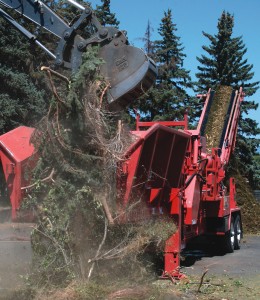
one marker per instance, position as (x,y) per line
(244,262)
(15,256)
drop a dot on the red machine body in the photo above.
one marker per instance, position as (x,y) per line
(17,156)
(167,171)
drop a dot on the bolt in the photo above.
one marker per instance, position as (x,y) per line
(58,62)
(66,35)
(80,45)
(87,11)
(103,32)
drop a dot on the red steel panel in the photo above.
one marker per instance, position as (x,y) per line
(153,163)
(16,155)
(17,143)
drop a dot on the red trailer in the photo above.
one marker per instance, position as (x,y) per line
(169,171)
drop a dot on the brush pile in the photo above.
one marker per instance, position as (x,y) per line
(80,143)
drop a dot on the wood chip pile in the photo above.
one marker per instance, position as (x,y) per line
(250,208)
(217,116)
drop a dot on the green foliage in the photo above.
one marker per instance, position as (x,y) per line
(78,153)
(247,159)
(77,173)
(64,9)
(168,99)
(78,83)
(69,221)
(226,65)
(105,16)
(169,52)
(75,145)
(21,92)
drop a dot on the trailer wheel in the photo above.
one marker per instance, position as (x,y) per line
(238,232)
(229,238)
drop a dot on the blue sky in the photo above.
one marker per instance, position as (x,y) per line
(192,17)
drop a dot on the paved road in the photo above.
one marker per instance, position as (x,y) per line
(15,255)
(242,263)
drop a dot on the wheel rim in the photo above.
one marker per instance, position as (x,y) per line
(238,232)
(232,234)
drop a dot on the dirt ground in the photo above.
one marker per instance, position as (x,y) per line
(229,277)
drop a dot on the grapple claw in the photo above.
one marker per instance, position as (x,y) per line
(130,73)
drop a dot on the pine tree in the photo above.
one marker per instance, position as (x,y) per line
(104,14)
(21,94)
(24,95)
(66,10)
(170,54)
(148,43)
(168,99)
(225,65)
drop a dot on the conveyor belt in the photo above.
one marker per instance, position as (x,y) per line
(217,117)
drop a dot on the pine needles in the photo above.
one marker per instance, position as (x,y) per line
(80,143)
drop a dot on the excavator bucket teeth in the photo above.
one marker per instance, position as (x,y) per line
(129,71)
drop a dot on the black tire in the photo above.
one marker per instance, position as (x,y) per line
(228,242)
(238,232)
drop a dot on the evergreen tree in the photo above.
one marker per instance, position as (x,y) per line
(225,65)
(148,43)
(24,95)
(21,90)
(170,54)
(104,14)
(66,10)
(168,99)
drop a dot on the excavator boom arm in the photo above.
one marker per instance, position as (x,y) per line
(40,14)
(128,69)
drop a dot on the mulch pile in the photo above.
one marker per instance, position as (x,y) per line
(250,208)
(217,116)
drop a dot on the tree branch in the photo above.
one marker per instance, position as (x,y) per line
(48,178)
(98,250)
